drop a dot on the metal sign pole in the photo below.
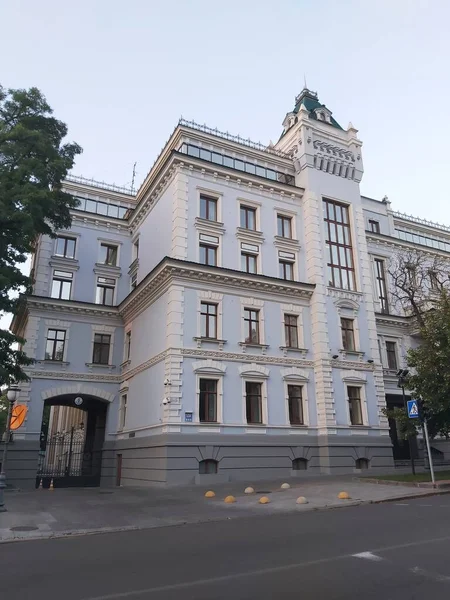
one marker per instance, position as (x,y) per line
(430,458)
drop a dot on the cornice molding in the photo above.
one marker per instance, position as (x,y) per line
(70,307)
(392,242)
(73,376)
(171,270)
(245,358)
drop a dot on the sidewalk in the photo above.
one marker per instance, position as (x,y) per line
(45,513)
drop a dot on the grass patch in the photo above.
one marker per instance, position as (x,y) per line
(418,477)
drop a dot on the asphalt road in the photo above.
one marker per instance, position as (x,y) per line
(390,551)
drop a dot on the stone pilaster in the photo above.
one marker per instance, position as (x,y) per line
(180,215)
(173,366)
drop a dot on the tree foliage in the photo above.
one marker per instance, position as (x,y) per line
(33,164)
(430,362)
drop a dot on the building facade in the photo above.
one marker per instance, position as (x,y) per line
(230,320)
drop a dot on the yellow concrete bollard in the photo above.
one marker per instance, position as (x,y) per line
(40,485)
(344,496)
(249,490)
(285,486)
(264,500)
(302,500)
(209,494)
(52,487)
(230,500)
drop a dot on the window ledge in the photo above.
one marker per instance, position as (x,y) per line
(206,225)
(351,354)
(298,425)
(280,241)
(204,340)
(104,268)
(133,267)
(245,345)
(286,349)
(63,262)
(247,234)
(99,366)
(125,363)
(47,361)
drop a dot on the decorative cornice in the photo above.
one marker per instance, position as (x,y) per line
(353,297)
(393,320)
(387,241)
(246,358)
(146,365)
(70,307)
(170,269)
(73,376)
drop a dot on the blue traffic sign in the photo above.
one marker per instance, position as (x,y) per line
(413,409)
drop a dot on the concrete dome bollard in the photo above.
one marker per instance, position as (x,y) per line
(249,490)
(210,494)
(302,500)
(344,496)
(230,500)
(285,486)
(264,500)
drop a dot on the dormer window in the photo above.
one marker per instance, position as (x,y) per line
(323,114)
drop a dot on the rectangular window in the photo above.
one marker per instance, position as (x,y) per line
(208,318)
(54,348)
(284,226)
(391,351)
(348,334)
(136,250)
(249,263)
(65,246)
(105,291)
(354,401)
(208,401)
(208,208)
(62,285)
(123,411)
(253,402)
(341,271)
(102,343)
(286,270)
(291,331)
(248,217)
(134,281)
(108,254)
(251,323)
(127,345)
(208,255)
(295,404)
(381,285)
(374,226)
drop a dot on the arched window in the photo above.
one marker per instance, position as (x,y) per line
(208,467)
(361,463)
(299,464)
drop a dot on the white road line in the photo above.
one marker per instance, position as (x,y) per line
(368,556)
(400,504)
(280,569)
(430,575)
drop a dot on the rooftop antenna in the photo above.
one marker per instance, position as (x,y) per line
(134,177)
(304,79)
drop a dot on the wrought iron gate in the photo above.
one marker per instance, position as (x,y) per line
(66,460)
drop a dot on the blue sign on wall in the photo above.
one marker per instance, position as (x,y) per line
(188,417)
(413,409)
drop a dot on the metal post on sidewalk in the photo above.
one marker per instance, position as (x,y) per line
(430,458)
(11,395)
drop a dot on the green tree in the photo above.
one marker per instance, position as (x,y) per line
(33,164)
(430,362)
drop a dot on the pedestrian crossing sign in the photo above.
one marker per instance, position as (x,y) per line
(413,409)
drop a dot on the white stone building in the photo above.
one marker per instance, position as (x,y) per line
(231,320)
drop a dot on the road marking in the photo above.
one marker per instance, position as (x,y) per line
(425,505)
(429,575)
(401,504)
(280,569)
(368,556)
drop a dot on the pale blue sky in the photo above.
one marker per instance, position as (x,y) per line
(120,73)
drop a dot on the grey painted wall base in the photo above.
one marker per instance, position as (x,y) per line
(174,460)
(22,463)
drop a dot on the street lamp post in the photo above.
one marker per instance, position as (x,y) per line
(11,395)
(402,375)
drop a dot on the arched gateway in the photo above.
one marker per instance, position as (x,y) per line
(72,436)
